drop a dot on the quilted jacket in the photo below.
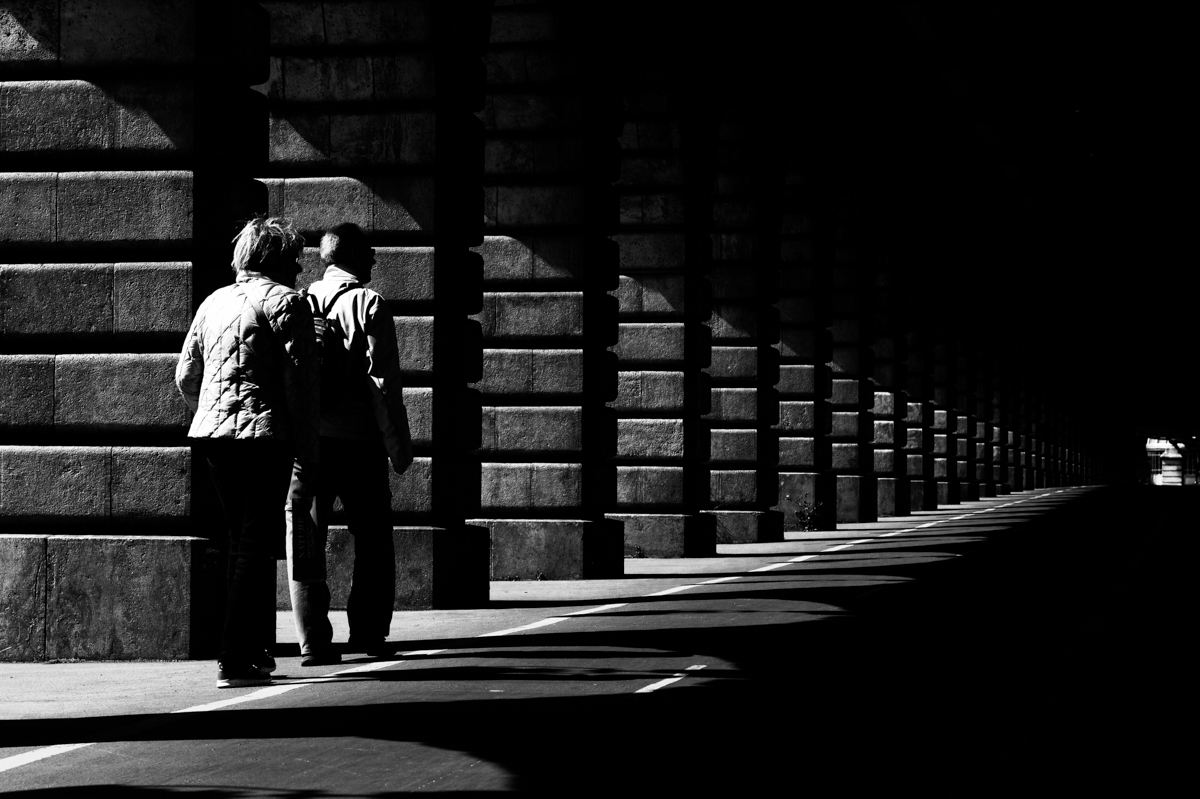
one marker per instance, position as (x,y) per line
(245,380)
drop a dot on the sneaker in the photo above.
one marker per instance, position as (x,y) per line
(265,663)
(230,677)
(322,657)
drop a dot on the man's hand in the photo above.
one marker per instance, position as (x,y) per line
(400,463)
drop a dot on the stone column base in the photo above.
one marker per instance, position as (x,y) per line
(857,499)
(893,496)
(668,535)
(554,549)
(746,526)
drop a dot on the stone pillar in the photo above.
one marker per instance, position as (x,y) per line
(919,433)
(551,155)
(891,400)
(984,438)
(964,378)
(1002,453)
(852,430)
(666,210)
(807,485)
(99,150)
(745,326)
(372,121)
(945,422)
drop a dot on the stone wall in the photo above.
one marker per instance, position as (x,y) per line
(660,283)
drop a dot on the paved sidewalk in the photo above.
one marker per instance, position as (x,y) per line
(106,688)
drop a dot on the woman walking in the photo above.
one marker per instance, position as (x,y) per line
(249,371)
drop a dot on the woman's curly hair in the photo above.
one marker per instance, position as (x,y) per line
(265,244)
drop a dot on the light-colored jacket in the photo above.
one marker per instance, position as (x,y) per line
(375,408)
(249,367)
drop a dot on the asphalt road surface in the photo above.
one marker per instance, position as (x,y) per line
(1030,643)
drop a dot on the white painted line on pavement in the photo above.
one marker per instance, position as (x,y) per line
(769,567)
(838,548)
(273,690)
(664,683)
(599,609)
(674,590)
(927,524)
(801,558)
(720,580)
(38,754)
(424,652)
(524,627)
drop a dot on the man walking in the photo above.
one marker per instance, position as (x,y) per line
(364,427)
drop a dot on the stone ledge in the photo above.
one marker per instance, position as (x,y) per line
(668,535)
(553,549)
(105,597)
(747,526)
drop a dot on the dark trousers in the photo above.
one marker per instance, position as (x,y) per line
(357,473)
(252,478)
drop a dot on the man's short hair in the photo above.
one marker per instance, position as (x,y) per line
(266,244)
(344,243)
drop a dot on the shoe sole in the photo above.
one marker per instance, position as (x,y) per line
(242,682)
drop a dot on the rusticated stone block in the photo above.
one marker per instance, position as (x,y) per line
(80,116)
(532,257)
(651,250)
(411,491)
(341,78)
(118,392)
(29,33)
(649,391)
(30,201)
(532,429)
(856,499)
(559,549)
(847,457)
(650,438)
(645,134)
(382,205)
(115,597)
(734,404)
(531,485)
(649,485)
(352,139)
(730,322)
(170,286)
(528,111)
(532,372)
(747,526)
(733,362)
(650,343)
(419,403)
(33,296)
(668,535)
(515,206)
(22,597)
(435,568)
(651,209)
(798,417)
(733,445)
(532,315)
(26,391)
(795,453)
(647,294)
(41,483)
(802,380)
(733,486)
(126,32)
(852,424)
(124,208)
(414,339)
(369,23)
(151,483)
